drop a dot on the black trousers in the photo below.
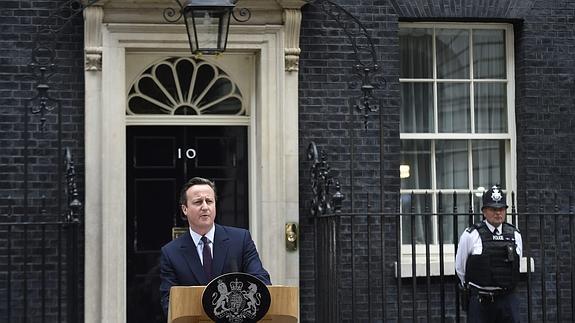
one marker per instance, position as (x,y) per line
(499,309)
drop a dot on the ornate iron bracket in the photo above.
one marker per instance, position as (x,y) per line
(321,182)
(43,103)
(43,61)
(365,56)
(74,204)
(173,15)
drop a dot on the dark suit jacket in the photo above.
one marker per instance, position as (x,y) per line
(234,251)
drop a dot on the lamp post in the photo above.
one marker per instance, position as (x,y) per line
(207,23)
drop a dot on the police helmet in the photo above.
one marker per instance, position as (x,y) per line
(494,197)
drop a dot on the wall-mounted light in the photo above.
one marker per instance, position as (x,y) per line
(207,23)
(480,191)
(404,171)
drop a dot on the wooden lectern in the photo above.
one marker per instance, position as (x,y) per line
(186,305)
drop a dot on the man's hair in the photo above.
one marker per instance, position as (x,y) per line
(192,182)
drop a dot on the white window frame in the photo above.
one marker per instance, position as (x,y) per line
(509,137)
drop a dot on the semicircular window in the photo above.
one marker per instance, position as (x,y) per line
(185,86)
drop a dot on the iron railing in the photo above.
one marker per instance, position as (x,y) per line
(40,226)
(39,271)
(40,260)
(365,264)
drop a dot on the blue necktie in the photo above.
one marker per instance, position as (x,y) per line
(207,255)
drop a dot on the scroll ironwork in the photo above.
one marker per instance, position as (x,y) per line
(43,64)
(366,66)
(321,182)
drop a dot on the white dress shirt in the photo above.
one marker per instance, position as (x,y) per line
(470,244)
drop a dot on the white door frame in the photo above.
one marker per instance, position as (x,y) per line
(273,136)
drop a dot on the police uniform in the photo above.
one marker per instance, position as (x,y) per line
(487,263)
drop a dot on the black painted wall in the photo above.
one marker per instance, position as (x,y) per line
(22,30)
(545,115)
(32,177)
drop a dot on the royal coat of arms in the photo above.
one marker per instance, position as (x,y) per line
(236,298)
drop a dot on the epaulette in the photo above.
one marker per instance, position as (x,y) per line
(474,227)
(512,226)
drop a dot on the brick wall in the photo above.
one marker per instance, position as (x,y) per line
(545,117)
(327,118)
(545,69)
(22,135)
(31,155)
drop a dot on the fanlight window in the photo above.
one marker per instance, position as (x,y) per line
(185,86)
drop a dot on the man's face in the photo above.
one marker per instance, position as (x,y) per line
(200,208)
(495,216)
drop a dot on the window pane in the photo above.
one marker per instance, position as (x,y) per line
(452,54)
(416,107)
(451,217)
(416,155)
(489,54)
(416,204)
(440,108)
(488,163)
(490,107)
(453,107)
(451,163)
(416,53)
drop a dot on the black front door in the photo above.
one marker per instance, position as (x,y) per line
(159,161)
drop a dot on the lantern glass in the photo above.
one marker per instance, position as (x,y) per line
(208,25)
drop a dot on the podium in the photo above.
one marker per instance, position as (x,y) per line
(186,305)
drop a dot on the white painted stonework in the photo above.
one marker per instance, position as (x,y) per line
(116,31)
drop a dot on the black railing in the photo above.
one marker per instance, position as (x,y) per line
(365,263)
(40,260)
(39,273)
(40,208)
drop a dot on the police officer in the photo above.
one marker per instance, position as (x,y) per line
(487,263)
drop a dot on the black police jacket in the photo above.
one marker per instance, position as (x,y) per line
(498,264)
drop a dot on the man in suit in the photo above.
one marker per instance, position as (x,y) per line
(210,249)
